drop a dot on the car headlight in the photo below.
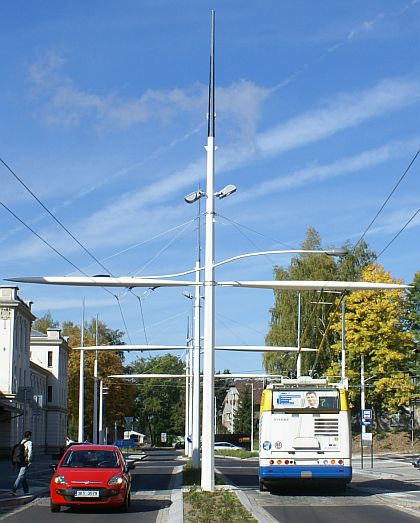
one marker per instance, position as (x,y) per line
(60,480)
(115,480)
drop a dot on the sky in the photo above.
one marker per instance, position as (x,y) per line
(104,108)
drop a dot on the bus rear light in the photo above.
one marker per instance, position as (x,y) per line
(325,462)
(279,462)
(286,462)
(333,462)
(271,461)
(340,461)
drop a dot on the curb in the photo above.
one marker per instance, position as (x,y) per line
(176,510)
(259,513)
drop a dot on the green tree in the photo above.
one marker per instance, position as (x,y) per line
(45,322)
(413,297)
(413,324)
(119,401)
(314,312)
(160,403)
(242,419)
(375,328)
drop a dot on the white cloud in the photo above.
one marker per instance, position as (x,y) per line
(365,26)
(343,166)
(113,224)
(395,221)
(64,103)
(345,111)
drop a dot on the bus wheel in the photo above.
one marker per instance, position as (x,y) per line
(262,486)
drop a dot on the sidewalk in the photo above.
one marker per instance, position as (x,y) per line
(38,478)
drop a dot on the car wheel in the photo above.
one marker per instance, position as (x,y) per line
(126,503)
(54,508)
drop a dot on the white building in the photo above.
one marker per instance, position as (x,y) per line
(232,398)
(33,378)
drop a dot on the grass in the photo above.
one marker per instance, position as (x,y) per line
(214,507)
(243,454)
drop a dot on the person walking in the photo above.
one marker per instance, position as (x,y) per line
(22,460)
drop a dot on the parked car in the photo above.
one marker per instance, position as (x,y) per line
(91,475)
(416,463)
(225,445)
(179,444)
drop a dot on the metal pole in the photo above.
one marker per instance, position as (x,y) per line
(343,340)
(101,411)
(252,416)
(362,402)
(196,374)
(207,470)
(299,357)
(95,390)
(81,435)
(187,403)
(190,402)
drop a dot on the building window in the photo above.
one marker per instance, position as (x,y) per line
(49,393)
(50,358)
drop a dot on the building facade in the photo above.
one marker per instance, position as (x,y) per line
(33,378)
(232,398)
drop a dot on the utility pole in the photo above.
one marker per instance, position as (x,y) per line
(299,357)
(95,390)
(207,468)
(81,435)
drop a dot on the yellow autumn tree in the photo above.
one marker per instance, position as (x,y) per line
(375,328)
(119,401)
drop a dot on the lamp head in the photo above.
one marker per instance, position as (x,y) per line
(194,196)
(340,252)
(226,191)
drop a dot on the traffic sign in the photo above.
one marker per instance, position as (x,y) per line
(163,437)
(367,414)
(366,423)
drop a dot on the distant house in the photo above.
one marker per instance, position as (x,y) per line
(138,437)
(233,396)
(33,378)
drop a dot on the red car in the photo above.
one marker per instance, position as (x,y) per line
(91,475)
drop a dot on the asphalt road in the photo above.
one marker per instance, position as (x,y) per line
(152,481)
(372,497)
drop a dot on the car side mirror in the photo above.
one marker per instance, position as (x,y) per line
(53,467)
(130,465)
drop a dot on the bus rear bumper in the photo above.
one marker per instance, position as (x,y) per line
(300,472)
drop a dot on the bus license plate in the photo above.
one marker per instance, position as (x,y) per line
(306,474)
(87,494)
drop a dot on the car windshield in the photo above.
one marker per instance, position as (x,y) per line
(106,459)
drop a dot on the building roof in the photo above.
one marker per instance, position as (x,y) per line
(243,384)
(37,334)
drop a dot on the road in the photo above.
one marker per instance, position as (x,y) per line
(389,493)
(152,482)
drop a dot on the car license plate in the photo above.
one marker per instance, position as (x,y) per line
(87,494)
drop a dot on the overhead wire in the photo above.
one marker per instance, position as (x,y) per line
(334,312)
(388,198)
(398,233)
(65,229)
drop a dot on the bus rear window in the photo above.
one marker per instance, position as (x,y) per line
(295,399)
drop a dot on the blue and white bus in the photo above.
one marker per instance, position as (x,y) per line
(305,433)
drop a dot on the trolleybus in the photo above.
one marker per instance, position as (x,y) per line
(305,433)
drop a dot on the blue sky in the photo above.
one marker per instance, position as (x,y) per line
(104,117)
